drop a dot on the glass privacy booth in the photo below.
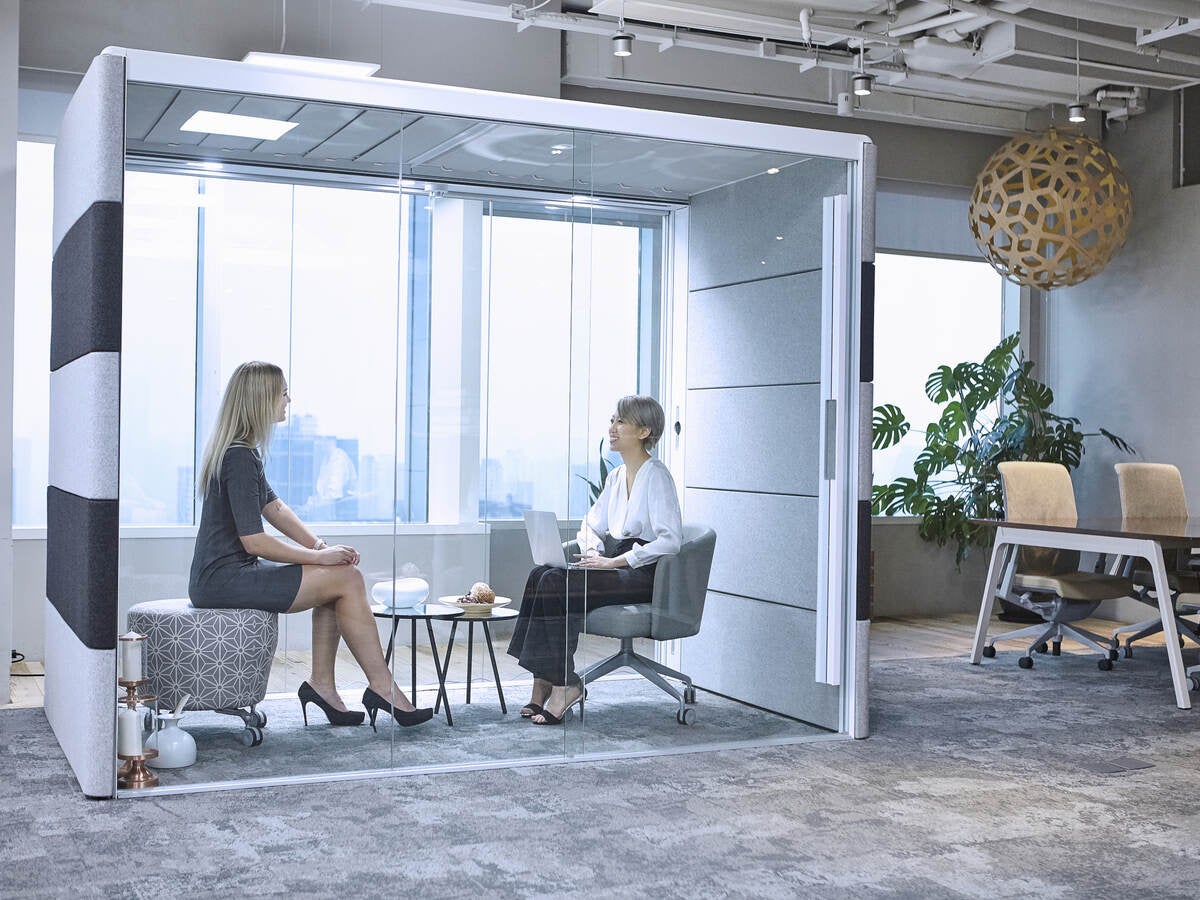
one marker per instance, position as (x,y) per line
(459,286)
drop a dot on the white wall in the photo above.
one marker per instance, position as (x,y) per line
(8,199)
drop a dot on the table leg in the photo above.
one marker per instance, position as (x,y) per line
(413,655)
(449,650)
(487,633)
(441,672)
(999,556)
(387,657)
(470,644)
(1170,632)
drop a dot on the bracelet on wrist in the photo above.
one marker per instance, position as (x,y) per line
(320,544)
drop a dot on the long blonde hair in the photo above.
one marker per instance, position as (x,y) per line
(247,416)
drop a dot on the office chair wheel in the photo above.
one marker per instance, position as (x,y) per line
(252,736)
(689,694)
(262,718)
(1041,648)
(686,716)
(1025,662)
(1194,680)
(1056,648)
(1105,665)
(1128,652)
(989,651)
(1113,655)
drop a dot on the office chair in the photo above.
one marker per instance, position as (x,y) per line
(675,610)
(1155,490)
(1048,582)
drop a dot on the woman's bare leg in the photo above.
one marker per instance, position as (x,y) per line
(325,640)
(342,589)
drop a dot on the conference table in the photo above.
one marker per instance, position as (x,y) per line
(1111,535)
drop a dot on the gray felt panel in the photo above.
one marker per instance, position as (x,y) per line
(85,286)
(762,227)
(755,439)
(760,332)
(80,705)
(868,202)
(866,399)
(767,547)
(85,426)
(741,640)
(89,157)
(81,566)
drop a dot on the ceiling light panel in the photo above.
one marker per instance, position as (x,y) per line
(208,122)
(312,65)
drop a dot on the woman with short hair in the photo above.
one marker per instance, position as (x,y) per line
(237,565)
(634,521)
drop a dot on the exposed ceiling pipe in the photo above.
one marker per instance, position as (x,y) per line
(1099,11)
(965,28)
(1083,37)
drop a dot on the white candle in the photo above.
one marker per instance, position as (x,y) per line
(129,733)
(131,657)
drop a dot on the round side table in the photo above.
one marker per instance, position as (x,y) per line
(495,615)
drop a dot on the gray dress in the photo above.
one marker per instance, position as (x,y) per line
(224,575)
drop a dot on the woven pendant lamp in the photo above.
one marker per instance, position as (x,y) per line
(1050,210)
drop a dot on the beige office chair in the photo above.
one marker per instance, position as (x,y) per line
(1048,582)
(1155,490)
(674,611)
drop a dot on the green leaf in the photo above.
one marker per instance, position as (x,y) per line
(888,426)
(941,384)
(1001,356)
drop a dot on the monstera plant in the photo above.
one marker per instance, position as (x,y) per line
(991,411)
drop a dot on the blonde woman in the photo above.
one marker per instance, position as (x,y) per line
(635,521)
(237,565)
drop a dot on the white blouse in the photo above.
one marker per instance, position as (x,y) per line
(648,512)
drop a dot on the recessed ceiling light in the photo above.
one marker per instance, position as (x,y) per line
(772,171)
(312,65)
(208,122)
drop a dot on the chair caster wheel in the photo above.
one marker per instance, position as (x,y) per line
(261,717)
(689,694)
(1025,662)
(1041,648)
(989,651)
(1194,680)
(1128,652)
(1056,648)
(1104,665)
(1113,655)
(252,736)
(686,716)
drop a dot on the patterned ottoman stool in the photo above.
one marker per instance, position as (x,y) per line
(221,657)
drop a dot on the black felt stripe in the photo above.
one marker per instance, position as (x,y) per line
(82,544)
(862,611)
(866,324)
(85,286)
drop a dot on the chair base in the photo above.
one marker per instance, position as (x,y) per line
(648,668)
(1053,633)
(1154,626)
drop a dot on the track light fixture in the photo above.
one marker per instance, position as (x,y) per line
(863,84)
(1077,112)
(622,43)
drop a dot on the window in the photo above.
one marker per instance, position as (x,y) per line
(929,312)
(335,284)
(545,330)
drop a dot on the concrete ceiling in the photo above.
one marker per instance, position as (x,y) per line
(981,65)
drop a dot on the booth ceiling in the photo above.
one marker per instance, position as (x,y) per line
(990,65)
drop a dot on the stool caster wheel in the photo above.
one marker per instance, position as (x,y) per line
(1056,648)
(1025,662)
(252,736)
(1105,665)
(261,717)
(689,694)
(686,716)
(1041,648)
(989,651)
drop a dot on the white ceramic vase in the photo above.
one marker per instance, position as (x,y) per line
(176,748)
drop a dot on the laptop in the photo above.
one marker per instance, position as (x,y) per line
(545,540)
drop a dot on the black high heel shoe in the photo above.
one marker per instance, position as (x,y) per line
(335,716)
(373,702)
(548,718)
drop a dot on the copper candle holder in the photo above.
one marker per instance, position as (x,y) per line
(134,774)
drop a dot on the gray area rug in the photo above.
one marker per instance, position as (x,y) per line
(978,782)
(622,716)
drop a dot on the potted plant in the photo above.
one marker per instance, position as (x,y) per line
(991,411)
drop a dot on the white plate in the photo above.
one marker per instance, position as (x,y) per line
(474,609)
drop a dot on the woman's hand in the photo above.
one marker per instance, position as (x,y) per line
(593,561)
(338,555)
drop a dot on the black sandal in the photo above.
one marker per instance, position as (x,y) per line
(548,718)
(529,710)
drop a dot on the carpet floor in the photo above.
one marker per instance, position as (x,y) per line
(987,781)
